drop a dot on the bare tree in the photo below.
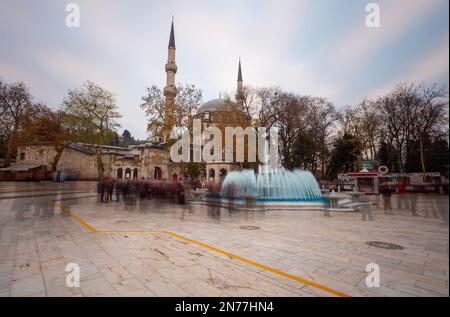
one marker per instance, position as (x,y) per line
(187,102)
(428,116)
(395,109)
(15,100)
(362,121)
(320,115)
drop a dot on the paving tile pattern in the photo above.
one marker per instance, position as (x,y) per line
(38,240)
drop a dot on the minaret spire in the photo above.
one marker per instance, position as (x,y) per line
(172,36)
(239,70)
(170,91)
(240,84)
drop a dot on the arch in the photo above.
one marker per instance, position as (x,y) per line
(174,177)
(211,174)
(128,173)
(135,173)
(157,173)
(223,173)
(120,173)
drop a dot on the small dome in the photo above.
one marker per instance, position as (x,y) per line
(213,106)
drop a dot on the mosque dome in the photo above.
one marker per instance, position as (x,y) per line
(213,105)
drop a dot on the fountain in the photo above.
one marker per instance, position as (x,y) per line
(276,185)
(272,184)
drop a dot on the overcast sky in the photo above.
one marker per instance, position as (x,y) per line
(319,47)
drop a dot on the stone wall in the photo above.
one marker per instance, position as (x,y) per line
(152,158)
(82,164)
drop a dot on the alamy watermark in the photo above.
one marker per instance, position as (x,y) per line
(207,145)
(73,278)
(373,278)
(73,16)
(373,18)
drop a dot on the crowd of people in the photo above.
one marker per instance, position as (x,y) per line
(408,202)
(130,191)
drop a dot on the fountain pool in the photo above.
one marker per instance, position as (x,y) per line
(278,185)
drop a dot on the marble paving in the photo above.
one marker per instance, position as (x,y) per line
(38,239)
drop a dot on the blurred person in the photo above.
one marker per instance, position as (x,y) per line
(118,189)
(386,194)
(413,204)
(366,213)
(110,184)
(100,190)
(401,193)
(180,193)
(231,194)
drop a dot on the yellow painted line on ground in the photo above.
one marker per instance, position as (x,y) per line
(231,255)
(130,231)
(84,223)
(262,266)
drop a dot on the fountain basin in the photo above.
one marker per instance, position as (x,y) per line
(278,185)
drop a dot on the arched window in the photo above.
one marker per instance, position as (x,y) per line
(135,173)
(223,173)
(175,177)
(157,173)
(120,173)
(127,173)
(211,174)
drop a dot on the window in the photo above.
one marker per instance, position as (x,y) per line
(211,175)
(127,173)
(157,173)
(22,156)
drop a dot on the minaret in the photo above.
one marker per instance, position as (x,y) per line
(240,85)
(170,91)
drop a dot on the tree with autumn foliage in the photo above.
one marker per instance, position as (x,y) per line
(43,125)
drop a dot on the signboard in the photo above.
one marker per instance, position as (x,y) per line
(367,164)
(383,169)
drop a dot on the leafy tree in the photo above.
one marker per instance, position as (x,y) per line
(435,156)
(115,140)
(96,113)
(43,125)
(127,139)
(193,169)
(387,155)
(305,149)
(345,153)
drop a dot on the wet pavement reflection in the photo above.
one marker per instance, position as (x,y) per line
(325,246)
(37,200)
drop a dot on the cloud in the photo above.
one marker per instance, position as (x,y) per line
(361,43)
(307,47)
(430,69)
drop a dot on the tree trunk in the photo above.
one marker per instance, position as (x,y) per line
(400,161)
(11,145)
(422,157)
(100,167)
(59,151)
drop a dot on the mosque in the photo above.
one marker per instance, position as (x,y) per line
(148,161)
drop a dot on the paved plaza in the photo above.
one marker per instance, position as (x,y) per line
(159,249)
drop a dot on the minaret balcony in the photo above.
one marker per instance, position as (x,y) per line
(170,91)
(171,67)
